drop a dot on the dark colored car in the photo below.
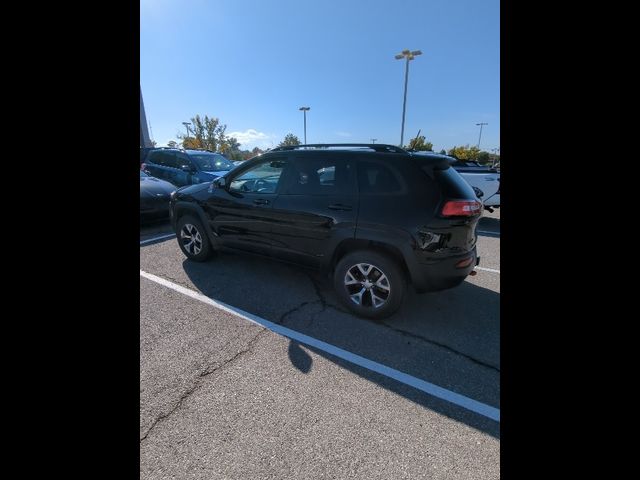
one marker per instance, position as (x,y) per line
(185,167)
(154,197)
(375,217)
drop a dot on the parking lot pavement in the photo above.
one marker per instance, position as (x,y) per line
(281,402)
(225,398)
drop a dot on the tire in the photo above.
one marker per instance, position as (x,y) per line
(349,279)
(193,239)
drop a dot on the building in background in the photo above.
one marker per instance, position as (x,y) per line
(145,140)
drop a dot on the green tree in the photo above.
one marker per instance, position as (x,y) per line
(206,133)
(172,144)
(289,139)
(465,153)
(419,143)
(443,152)
(483,157)
(191,143)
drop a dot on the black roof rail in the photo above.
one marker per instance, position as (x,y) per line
(377,147)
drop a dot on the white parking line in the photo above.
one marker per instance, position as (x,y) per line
(439,392)
(149,240)
(487,269)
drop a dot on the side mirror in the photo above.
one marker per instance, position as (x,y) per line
(187,168)
(479,193)
(220,182)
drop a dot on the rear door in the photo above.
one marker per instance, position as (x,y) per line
(156,164)
(316,209)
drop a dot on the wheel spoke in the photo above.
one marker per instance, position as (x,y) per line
(383,283)
(357,297)
(364,272)
(350,279)
(375,300)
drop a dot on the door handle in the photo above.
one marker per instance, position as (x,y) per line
(261,201)
(340,206)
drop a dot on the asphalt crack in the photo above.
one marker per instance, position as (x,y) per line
(443,346)
(205,373)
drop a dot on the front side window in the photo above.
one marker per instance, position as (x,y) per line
(212,162)
(261,178)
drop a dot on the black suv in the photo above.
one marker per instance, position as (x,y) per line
(375,217)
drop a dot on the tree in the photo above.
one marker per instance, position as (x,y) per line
(443,152)
(289,139)
(191,143)
(483,157)
(172,144)
(419,143)
(206,133)
(465,153)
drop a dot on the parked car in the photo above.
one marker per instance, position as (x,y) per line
(154,197)
(185,167)
(483,177)
(382,219)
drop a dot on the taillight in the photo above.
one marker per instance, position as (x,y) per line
(461,208)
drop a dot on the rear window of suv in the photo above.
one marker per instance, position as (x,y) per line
(452,184)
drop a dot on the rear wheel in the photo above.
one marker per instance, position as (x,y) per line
(369,284)
(192,239)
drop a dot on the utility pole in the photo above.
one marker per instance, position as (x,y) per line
(481,124)
(304,110)
(373,140)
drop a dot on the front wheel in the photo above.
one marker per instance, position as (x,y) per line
(192,239)
(369,284)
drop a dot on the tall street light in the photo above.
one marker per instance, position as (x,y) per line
(481,124)
(409,55)
(304,110)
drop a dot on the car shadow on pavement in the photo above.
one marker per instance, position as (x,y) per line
(449,338)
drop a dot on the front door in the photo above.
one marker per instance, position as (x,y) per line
(241,213)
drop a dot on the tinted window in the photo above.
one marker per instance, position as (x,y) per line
(376,178)
(262,178)
(161,158)
(182,159)
(453,185)
(320,176)
(212,162)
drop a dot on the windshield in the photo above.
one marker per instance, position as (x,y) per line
(212,162)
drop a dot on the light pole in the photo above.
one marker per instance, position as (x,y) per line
(373,140)
(481,124)
(186,124)
(409,55)
(304,111)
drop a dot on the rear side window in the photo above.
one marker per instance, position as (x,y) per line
(320,176)
(376,178)
(166,159)
(453,185)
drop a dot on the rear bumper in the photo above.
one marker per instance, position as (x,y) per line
(442,274)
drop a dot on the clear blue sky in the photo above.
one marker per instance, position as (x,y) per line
(253,63)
